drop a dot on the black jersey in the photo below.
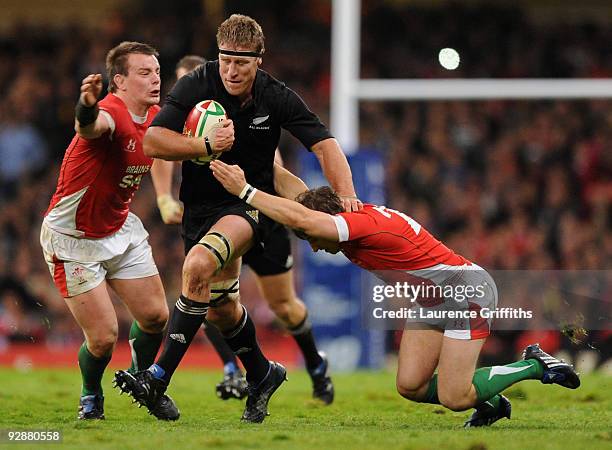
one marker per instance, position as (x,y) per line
(257,128)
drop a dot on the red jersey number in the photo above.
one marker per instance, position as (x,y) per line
(387,212)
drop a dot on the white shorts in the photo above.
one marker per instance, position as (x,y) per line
(78,265)
(456,327)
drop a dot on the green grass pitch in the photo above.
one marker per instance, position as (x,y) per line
(367,414)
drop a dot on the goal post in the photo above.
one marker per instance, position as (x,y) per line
(348,89)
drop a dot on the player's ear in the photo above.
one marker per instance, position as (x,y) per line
(259,61)
(119,81)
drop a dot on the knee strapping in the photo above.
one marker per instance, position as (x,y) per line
(224,291)
(219,246)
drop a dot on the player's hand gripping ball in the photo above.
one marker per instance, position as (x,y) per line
(202,121)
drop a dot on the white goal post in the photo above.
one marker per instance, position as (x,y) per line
(347,88)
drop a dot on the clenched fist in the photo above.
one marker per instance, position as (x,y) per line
(171,211)
(223,136)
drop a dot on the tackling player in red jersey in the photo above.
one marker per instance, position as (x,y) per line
(90,239)
(387,242)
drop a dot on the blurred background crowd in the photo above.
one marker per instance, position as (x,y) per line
(509,184)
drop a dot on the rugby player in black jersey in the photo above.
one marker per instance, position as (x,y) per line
(218,228)
(272,267)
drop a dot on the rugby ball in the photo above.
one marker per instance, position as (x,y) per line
(202,120)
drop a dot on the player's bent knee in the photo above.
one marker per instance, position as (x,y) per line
(103,344)
(198,264)
(407,393)
(454,394)
(454,401)
(282,308)
(155,320)
(409,389)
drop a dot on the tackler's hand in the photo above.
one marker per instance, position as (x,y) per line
(231,177)
(351,203)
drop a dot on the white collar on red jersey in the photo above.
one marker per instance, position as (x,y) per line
(139,119)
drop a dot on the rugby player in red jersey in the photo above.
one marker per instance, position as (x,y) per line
(90,239)
(389,242)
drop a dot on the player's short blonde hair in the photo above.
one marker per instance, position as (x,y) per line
(241,31)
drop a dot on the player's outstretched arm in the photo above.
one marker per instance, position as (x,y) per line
(161,173)
(336,169)
(292,214)
(286,184)
(163,143)
(88,122)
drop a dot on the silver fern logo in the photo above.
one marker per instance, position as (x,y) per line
(260,120)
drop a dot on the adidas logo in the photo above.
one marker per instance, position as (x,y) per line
(254,214)
(179,338)
(242,350)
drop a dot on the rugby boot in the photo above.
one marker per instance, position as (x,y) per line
(485,415)
(91,407)
(234,385)
(556,370)
(256,408)
(148,391)
(322,386)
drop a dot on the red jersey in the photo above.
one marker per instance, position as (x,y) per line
(378,238)
(99,177)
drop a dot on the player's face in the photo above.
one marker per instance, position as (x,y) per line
(142,82)
(238,72)
(321,244)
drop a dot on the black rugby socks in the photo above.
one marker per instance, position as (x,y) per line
(302,333)
(243,341)
(185,322)
(218,342)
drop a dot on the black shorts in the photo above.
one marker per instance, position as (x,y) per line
(273,255)
(197,223)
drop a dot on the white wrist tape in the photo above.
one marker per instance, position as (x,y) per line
(247,194)
(244,191)
(250,196)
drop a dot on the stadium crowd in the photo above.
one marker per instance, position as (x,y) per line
(509,184)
